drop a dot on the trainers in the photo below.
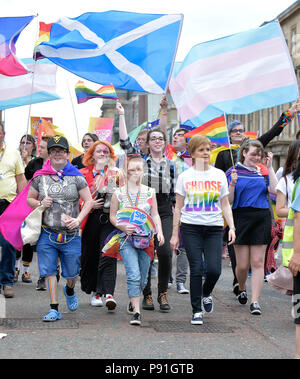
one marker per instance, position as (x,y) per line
(163,302)
(16,275)
(130,309)
(181,288)
(147,303)
(255,308)
(110,302)
(72,301)
(242,297)
(8,292)
(197,318)
(96,301)
(136,319)
(207,304)
(235,288)
(26,278)
(41,285)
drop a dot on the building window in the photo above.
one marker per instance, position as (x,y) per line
(293,40)
(260,123)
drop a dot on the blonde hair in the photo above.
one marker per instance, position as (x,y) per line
(197,141)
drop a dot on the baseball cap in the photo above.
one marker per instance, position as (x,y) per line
(58,141)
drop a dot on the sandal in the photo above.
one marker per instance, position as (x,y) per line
(72,301)
(52,315)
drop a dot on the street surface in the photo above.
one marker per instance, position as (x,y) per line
(230,332)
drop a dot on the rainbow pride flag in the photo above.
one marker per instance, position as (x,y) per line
(214,129)
(251,135)
(84,94)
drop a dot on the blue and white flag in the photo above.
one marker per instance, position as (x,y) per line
(238,74)
(132,51)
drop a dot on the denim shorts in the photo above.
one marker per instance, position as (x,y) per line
(48,252)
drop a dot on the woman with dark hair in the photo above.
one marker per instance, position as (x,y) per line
(87,141)
(27,148)
(98,274)
(248,194)
(285,185)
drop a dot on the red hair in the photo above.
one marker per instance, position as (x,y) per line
(88,157)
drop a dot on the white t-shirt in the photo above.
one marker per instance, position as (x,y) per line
(202,191)
(282,185)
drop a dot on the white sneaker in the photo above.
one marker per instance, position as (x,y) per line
(96,301)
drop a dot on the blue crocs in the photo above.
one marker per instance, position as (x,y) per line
(72,302)
(52,315)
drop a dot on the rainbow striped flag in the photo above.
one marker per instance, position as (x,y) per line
(84,94)
(251,135)
(214,129)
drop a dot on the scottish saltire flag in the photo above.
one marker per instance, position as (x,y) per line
(10,29)
(132,51)
(84,93)
(215,130)
(238,74)
(37,86)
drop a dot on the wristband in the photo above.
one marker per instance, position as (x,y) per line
(163,113)
(232,228)
(79,222)
(232,185)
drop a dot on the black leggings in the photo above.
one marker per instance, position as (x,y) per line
(164,252)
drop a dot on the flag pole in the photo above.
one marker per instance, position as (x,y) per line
(72,104)
(229,144)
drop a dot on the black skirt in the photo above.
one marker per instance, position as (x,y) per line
(253,226)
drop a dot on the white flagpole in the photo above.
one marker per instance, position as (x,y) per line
(229,144)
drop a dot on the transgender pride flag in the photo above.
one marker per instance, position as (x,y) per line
(238,74)
(10,29)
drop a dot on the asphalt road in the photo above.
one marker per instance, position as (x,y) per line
(230,332)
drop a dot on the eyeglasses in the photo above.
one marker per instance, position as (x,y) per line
(235,131)
(159,139)
(133,170)
(56,152)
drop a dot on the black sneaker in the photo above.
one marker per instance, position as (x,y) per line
(242,297)
(163,302)
(255,308)
(235,288)
(136,319)
(147,303)
(130,309)
(41,285)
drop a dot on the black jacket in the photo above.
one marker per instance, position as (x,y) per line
(224,162)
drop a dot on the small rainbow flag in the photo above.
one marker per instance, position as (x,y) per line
(251,135)
(214,129)
(84,94)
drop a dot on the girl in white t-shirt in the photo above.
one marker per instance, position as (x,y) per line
(201,198)
(285,185)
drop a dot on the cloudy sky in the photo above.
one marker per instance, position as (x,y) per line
(203,21)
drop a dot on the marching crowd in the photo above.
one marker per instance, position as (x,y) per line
(196,208)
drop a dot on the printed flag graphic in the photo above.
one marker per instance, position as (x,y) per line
(84,94)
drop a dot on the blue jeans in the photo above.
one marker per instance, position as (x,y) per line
(136,263)
(69,253)
(7,263)
(199,240)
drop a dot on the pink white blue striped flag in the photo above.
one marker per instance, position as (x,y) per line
(238,74)
(10,29)
(37,86)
